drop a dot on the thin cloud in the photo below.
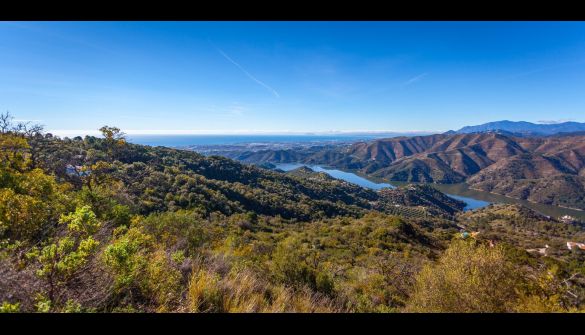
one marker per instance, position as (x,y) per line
(555,121)
(414,79)
(399,86)
(273,91)
(543,69)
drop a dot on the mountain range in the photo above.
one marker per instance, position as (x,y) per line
(523,128)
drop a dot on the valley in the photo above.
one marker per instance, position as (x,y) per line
(542,170)
(474,199)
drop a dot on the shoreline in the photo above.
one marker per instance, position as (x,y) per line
(581,212)
(532,202)
(459,189)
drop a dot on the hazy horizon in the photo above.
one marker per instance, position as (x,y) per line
(74,132)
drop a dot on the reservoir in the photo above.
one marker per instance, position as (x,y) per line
(473,198)
(471,203)
(347,176)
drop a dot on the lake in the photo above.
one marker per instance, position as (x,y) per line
(471,203)
(463,189)
(473,198)
(347,176)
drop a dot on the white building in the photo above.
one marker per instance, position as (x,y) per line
(576,245)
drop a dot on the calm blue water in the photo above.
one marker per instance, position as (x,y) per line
(347,176)
(471,203)
(187,140)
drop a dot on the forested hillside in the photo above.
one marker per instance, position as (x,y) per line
(101,225)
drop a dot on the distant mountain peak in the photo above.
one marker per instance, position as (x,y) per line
(523,128)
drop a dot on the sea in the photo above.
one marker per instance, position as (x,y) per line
(177,141)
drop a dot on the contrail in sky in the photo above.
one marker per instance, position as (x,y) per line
(414,79)
(273,91)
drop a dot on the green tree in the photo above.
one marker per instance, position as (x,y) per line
(13,153)
(30,200)
(115,139)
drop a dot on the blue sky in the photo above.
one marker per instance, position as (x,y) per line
(278,77)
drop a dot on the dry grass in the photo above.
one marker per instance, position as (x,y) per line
(241,291)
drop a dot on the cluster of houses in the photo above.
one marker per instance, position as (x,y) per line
(570,246)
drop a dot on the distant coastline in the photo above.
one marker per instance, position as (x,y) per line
(178,141)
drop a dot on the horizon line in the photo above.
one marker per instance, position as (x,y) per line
(82,132)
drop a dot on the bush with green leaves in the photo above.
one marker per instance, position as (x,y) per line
(142,269)
(291,263)
(7,307)
(473,277)
(60,260)
(30,204)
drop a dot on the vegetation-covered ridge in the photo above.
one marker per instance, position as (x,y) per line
(101,225)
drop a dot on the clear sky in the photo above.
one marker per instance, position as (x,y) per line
(239,77)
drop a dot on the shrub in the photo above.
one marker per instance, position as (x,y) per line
(7,307)
(127,257)
(289,263)
(140,265)
(30,205)
(60,260)
(467,278)
(476,278)
(120,215)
